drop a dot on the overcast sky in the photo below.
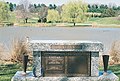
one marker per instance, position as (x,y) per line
(59,2)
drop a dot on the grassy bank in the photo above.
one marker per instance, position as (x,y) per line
(91,22)
(105,21)
(8,70)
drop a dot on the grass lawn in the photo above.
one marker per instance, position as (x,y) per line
(114,68)
(100,22)
(8,70)
(106,20)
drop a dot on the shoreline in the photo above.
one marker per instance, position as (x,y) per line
(80,25)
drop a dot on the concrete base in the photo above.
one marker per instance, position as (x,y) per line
(20,76)
(29,77)
(108,77)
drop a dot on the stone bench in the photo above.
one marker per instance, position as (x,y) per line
(65,60)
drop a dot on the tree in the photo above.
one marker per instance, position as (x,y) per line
(35,5)
(59,9)
(102,6)
(39,5)
(11,7)
(54,6)
(43,5)
(42,12)
(89,6)
(106,7)
(23,10)
(32,8)
(53,16)
(114,7)
(4,11)
(118,8)
(109,13)
(95,8)
(50,6)
(74,11)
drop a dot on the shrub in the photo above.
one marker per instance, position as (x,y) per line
(1,51)
(115,51)
(43,20)
(118,18)
(19,48)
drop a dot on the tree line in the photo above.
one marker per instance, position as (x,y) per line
(73,11)
(105,10)
(98,8)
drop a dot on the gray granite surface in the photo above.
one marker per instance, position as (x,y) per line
(29,77)
(45,45)
(55,45)
(108,77)
(95,64)
(37,46)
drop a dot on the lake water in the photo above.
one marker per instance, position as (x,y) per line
(104,35)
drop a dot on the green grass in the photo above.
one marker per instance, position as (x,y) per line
(106,21)
(114,68)
(7,71)
(98,22)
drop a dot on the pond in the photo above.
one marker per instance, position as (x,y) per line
(104,35)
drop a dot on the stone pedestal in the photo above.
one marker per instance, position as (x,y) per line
(67,49)
(108,77)
(19,76)
(30,77)
(71,52)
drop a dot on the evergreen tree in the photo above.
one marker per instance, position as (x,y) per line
(54,6)
(35,6)
(50,6)
(11,7)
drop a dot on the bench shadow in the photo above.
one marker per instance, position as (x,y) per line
(64,79)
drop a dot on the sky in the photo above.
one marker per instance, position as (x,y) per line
(60,2)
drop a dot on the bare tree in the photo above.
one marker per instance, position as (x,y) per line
(42,12)
(32,8)
(59,9)
(23,10)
